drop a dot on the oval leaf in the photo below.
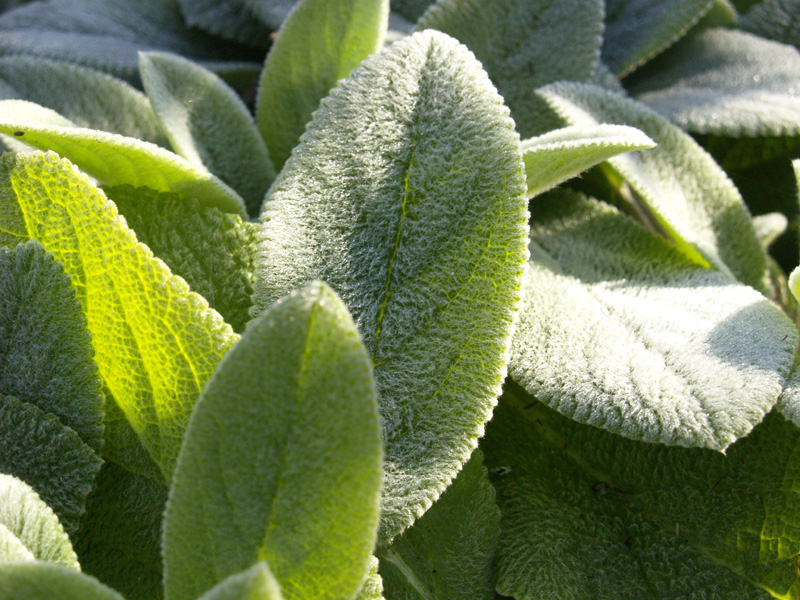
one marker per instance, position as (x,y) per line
(678,185)
(45,581)
(230,19)
(726,83)
(86,97)
(777,20)
(638,30)
(620,331)
(257,583)
(321,42)
(38,449)
(115,159)
(514,40)
(559,155)
(407,196)
(208,124)
(46,353)
(282,459)
(156,342)
(34,524)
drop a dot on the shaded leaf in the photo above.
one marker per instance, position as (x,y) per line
(156,342)
(619,330)
(45,581)
(320,43)
(108,34)
(638,30)
(257,583)
(678,185)
(86,97)
(282,459)
(515,41)
(447,554)
(590,515)
(208,124)
(726,83)
(777,20)
(561,154)
(120,538)
(212,250)
(46,353)
(31,522)
(411,9)
(271,12)
(230,19)
(115,159)
(406,195)
(38,449)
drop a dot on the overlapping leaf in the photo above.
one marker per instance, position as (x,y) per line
(638,30)
(50,457)
(230,19)
(33,524)
(86,97)
(588,514)
(554,157)
(208,124)
(108,34)
(282,459)
(448,553)
(407,196)
(212,250)
(46,354)
(678,185)
(45,581)
(320,43)
(515,42)
(119,541)
(620,331)
(777,20)
(726,83)
(156,342)
(257,583)
(115,159)
(271,12)
(373,585)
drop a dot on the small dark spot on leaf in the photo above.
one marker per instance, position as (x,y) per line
(601,487)
(502,471)
(627,542)
(19,133)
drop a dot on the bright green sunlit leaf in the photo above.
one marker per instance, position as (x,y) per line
(257,583)
(46,581)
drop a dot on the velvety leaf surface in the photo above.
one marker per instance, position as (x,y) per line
(411,9)
(447,554)
(34,524)
(515,42)
(38,449)
(46,581)
(561,154)
(115,159)
(406,195)
(590,515)
(120,538)
(230,19)
(208,124)
(156,342)
(373,586)
(678,186)
(257,583)
(770,227)
(320,43)
(108,34)
(46,354)
(619,330)
(86,97)
(777,20)
(638,30)
(11,548)
(271,12)
(726,83)
(212,250)
(282,459)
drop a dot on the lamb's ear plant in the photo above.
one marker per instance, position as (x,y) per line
(294,307)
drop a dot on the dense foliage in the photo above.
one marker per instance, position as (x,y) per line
(429,301)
